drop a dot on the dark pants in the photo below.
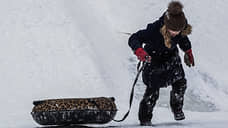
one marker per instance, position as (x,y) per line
(156,76)
(151,95)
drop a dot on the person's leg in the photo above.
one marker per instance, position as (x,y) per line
(147,105)
(177,98)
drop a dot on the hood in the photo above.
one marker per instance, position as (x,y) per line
(187,30)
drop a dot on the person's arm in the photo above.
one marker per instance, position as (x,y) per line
(186,46)
(137,39)
(144,36)
(185,43)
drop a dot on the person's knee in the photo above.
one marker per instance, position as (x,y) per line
(152,91)
(151,96)
(180,86)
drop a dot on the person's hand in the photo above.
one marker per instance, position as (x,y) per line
(188,58)
(142,55)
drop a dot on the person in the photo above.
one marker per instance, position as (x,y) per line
(157,47)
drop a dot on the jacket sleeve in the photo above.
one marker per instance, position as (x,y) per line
(142,36)
(185,43)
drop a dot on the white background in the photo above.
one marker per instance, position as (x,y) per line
(76,48)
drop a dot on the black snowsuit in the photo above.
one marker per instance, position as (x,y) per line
(165,67)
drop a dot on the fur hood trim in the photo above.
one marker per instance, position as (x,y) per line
(187,30)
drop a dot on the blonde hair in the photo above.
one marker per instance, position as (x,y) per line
(166,36)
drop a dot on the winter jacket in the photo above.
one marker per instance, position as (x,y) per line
(154,41)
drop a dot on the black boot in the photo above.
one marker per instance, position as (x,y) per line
(146,123)
(146,107)
(177,99)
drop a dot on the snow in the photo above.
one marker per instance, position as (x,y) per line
(74,48)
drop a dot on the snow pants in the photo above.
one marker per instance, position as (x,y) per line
(156,76)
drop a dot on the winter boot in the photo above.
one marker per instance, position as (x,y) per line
(177,99)
(146,107)
(146,123)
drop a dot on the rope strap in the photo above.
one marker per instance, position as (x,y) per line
(132,91)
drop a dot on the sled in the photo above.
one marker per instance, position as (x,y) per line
(98,110)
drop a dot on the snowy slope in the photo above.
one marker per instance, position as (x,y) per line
(75,48)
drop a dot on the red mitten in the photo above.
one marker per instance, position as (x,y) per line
(142,55)
(188,58)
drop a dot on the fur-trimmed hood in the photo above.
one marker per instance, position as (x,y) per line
(187,30)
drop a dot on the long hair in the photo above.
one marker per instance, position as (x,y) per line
(166,36)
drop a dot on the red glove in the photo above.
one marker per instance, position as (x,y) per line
(142,55)
(188,58)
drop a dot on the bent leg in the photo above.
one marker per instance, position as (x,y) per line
(177,98)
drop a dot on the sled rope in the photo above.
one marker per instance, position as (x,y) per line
(132,91)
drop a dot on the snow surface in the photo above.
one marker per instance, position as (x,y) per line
(77,48)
